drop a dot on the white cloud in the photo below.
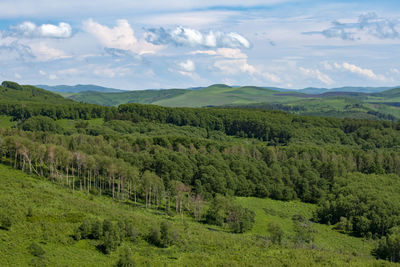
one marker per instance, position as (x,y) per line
(369,24)
(233,53)
(395,71)
(31,30)
(236,66)
(315,73)
(358,70)
(42,52)
(183,36)
(120,37)
(188,66)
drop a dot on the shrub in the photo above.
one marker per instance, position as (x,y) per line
(111,241)
(125,259)
(36,250)
(155,236)
(303,228)
(5,222)
(275,232)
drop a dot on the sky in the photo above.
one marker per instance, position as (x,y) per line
(157,44)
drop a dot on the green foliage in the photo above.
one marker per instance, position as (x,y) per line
(275,232)
(224,211)
(56,211)
(163,235)
(365,204)
(5,221)
(11,92)
(12,85)
(36,250)
(125,259)
(388,248)
(304,230)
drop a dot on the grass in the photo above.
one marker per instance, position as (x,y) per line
(5,122)
(56,211)
(280,212)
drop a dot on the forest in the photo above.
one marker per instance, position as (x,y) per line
(194,161)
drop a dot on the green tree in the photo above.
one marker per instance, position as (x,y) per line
(275,232)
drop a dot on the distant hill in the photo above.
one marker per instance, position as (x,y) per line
(78,88)
(115,99)
(13,92)
(344,102)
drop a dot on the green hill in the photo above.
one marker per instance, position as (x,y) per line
(115,99)
(78,88)
(47,215)
(13,92)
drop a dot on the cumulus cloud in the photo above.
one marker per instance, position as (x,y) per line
(187,65)
(120,37)
(317,74)
(182,36)
(368,24)
(31,30)
(358,70)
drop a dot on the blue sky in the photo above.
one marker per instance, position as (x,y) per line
(178,44)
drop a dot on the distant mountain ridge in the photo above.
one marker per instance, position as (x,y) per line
(79,88)
(309,90)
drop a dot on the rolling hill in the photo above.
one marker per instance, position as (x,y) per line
(12,92)
(78,88)
(354,103)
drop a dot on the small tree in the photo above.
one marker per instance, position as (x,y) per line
(304,231)
(125,259)
(111,241)
(275,232)
(155,236)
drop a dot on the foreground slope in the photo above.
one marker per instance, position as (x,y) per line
(44,213)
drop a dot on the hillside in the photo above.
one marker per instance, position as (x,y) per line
(181,185)
(115,99)
(43,213)
(13,92)
(79,88)
(338,102)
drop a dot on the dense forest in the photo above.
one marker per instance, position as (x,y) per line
(178,159)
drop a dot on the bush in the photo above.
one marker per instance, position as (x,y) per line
(111,241)
(5,222)
(275,232)
(155,236)
(304,231)
(36,250)
(168,235)
(222,210)
(125,259)
(163,235)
